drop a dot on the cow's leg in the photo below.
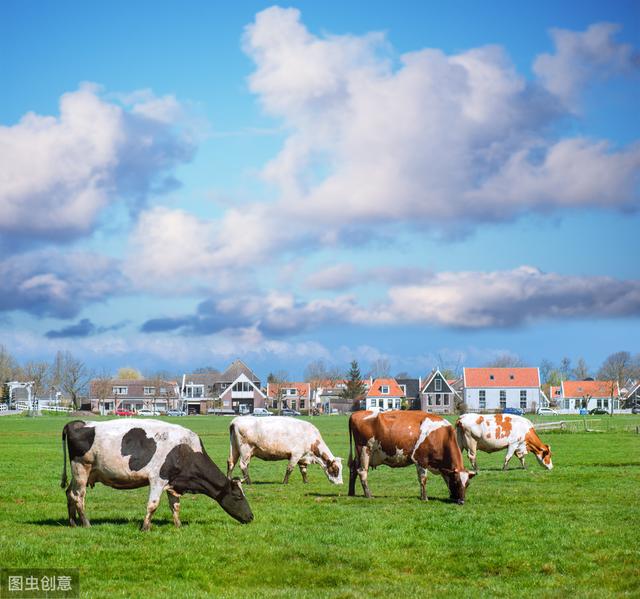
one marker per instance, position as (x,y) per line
(303,471)
(520,455)
(234,455)
(472,449)
(354,464)
(245,458)
(363,471)
(422,479)
(174,504)
(510,451)
(76,492)
(152,504)
(293,460)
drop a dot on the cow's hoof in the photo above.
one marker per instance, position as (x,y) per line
(72,523)
(460,502)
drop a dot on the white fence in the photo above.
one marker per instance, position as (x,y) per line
(3,407)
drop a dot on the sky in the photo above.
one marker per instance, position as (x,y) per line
(427,183)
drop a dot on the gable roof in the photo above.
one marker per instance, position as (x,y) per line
(590,388)
(376,386)
(235,369)
(432,376)
(501,377)
(241,378)
(411,385)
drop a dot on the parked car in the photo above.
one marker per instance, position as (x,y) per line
(289,412)
(635,409)
(124,413)
(148,412)
(516,411)
(598,411)
(176,413)
(547,412)
(261,412)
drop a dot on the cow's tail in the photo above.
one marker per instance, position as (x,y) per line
(63,482)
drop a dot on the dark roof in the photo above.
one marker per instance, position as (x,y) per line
(235,369)
(412,386)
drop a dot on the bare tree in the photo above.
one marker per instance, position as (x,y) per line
(546,367)
(565,368)
(617,367)
(505,361)
(101,389)
(38,373)
(75,379)
(277,383)
(452,366)
(581,370)
(380,368)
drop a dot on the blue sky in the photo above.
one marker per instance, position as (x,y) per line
(420,182)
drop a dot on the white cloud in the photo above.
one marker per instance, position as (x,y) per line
(336,276)
(444,141)
(581,57)
(58,173)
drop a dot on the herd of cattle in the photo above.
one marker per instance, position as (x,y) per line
(132,453)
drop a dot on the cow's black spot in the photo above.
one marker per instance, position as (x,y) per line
(79,438)
(141,448)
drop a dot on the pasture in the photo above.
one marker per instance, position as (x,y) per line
(573,530)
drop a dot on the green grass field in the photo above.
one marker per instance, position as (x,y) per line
(573,530)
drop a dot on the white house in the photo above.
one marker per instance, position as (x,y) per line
(384,394)
(493,389)
(572,396)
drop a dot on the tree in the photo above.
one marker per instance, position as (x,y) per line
(101,388)
(546,367)
(565,368)
(38,373)
(617,367)
(451,366)
(581,370)
(380,368)
(129,373)
(505,361)
(354,389)
(277,382)
(75,378)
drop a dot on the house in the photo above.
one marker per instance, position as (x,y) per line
(437,395)
(107,395)
(328,396)
(411,389)
(576,395)
(236,390)
(296,396)
(633,396)
(493,389)
(384,394)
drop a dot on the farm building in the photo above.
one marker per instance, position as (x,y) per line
(572,396)
(493,389)
(108,395)
(236,390)
(437,395)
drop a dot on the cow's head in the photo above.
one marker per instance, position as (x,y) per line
(333,470)
(457,481)
(233,501)
(544,457)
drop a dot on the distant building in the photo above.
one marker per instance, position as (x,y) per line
(572,396)
(107,395)
(437,395)
(384,394)
(493,389)
(236,390)
(411,389)
(296,396)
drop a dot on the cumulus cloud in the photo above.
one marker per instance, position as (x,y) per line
(581,57)
(70,167)
(437,140)
(53,283)
(469,300)
(476,300)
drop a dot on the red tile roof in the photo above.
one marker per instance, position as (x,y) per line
(590,388)
(501,377)
(302,389)
(394,388)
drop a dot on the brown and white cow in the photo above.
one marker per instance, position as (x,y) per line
(496,432)
(401,438)
(280,438)
(132,453)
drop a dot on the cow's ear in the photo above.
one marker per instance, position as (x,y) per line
(549,447)
(471,473)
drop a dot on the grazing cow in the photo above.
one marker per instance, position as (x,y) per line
(280,438)
(399,439)
(500,431)
(131,453)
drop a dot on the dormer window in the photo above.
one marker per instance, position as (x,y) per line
(491,377)
(384,389)
(511,377)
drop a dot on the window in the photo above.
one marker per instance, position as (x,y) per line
(293,404)
(404,389)
(523,399)
(290,391)
(242,386)
(491,377)
(430,400)
(302,404)
(482,399)
(605,403)
(446,399)
(599,403)
(163,390)
(120,390)
(511,377)
(438,399)
(438,383)
(503,399)
(149,390)
(384,389)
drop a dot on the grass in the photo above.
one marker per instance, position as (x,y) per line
(572,530)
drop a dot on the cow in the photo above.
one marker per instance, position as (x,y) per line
(132,453)
(400,438)
(500,431)
(280,438)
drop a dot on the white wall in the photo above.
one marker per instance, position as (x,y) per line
(472,398)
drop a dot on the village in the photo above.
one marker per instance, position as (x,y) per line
(239,390)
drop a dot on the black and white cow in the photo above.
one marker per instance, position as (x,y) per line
(132,453)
